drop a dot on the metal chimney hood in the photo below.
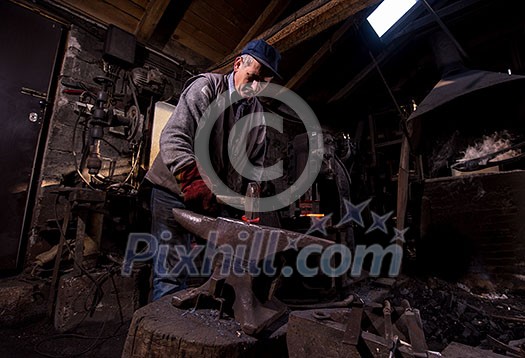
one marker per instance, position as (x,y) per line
(457,80)
(460,84)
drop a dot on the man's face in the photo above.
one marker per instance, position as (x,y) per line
(250,79)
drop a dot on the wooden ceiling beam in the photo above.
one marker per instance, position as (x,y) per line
(150,19)
(102,12)
(304,24)
(310,65)
(315,22)
(398,42)
(274,9)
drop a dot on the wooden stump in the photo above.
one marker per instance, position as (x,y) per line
(162,330)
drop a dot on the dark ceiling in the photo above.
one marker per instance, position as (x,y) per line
(331,56)
(358,75)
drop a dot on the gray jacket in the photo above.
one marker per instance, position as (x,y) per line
(177,137)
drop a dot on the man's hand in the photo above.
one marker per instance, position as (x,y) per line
(197,196)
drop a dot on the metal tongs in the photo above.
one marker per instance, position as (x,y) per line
(484,161)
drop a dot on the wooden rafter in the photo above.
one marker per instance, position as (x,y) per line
(317,21)
(364,72)
(398,42)
(274,9)
(313,61)
(151,18)
(126,18)
(305,23)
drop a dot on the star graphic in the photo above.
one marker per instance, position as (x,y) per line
(379,222)
(353,213)
(292,243)
(319,224)
(399,235)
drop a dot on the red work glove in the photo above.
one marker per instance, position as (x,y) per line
(197,196)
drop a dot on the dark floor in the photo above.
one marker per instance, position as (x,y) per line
(463,313)
(450,311)
(38,339)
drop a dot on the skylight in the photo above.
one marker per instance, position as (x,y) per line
(388,13)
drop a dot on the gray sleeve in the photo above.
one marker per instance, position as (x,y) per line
(177,137)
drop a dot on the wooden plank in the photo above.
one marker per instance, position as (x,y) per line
(183,54)
(142,3)
(128,7)
(168,22)
(248,10)
(306,23)
(402,181)
(227,61)
(231,13)
(58,260)
(274,9)
(103,12)
(199,47)
(198,35)
(313,61)
(228,41)
(317,21)
(151,18)
(224,21)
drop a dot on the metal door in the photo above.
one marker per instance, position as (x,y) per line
(29,45)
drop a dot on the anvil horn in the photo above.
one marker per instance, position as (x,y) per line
(197,224)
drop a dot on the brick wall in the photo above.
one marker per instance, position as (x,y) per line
(479,216)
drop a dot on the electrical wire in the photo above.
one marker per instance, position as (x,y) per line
(135,122)
(97,298)
(136,161)
(98,340)
(73,143)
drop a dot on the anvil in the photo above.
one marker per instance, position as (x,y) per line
(252,314)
